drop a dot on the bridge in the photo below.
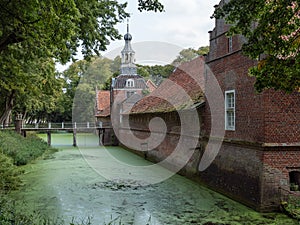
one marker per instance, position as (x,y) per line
(74,127)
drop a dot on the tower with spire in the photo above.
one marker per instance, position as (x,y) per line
(126,89)
(128,66)
(128,83)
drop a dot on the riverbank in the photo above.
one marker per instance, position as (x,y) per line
(15,152)
(69,185)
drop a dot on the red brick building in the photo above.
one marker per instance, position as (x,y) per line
(103,117)
(258,162)
(126,89)
(260,156)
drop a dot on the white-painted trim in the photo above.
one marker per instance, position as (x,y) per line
(232,128)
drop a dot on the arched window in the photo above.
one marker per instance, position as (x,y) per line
(130,83)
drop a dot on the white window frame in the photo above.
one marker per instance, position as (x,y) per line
(130,83)
(230,110)
(230,44)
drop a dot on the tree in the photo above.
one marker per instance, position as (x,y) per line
(273,38)
(27,82)
(34,34)
(56,28)
(81,80)
(188,54)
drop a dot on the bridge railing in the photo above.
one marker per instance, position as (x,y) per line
(67,125)
(10,126)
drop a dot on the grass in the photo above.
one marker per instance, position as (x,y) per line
(15,151)
(22,150)
(10,214)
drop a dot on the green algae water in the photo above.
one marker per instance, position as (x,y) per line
(65,185)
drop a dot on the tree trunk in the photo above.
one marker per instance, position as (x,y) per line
(8,108)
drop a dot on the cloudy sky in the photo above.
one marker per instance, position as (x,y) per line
(184,24)
(159,37)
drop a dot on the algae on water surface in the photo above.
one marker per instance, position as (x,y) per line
(67,186)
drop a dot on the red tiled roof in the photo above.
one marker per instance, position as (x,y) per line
(151,86)
(183,89)
(103,104)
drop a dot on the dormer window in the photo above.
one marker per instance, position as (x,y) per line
(130,83)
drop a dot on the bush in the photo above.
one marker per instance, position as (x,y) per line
(12,214)
(9,175)
(22,150)
(292,207)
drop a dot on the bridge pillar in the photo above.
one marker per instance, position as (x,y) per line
(49,138)
(23,133)
(100,136)
(18,124)
(74,138)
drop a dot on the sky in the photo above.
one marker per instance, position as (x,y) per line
(183,24)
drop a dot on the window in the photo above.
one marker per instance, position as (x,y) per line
(230,110)
(294,180)
(129,94)
(130,83)
(230,44)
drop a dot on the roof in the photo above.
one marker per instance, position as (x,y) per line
(183,90)
(151,86)
(129,102)
(133,99)
(139,82)
(103,104)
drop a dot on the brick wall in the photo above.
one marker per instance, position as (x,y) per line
(278,162)
(232,74)
(255,159)
(175,143)
(271,117)
(282,117)
(236,173)
(247,171)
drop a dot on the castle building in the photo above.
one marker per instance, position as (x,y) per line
(126,90)
(128,82)
(258,161)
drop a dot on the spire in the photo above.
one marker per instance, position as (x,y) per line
(127,25)
(128,55)
(127,36)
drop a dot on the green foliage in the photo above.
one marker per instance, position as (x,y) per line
(26,84)
(13,213)
(156,73)
(9,175)
(56,28)
(292,207)
(22,150)
(153,5)
(187,55)
(80,82)
(36,34)
(273,37)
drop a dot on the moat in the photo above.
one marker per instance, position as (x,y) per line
(65,185)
